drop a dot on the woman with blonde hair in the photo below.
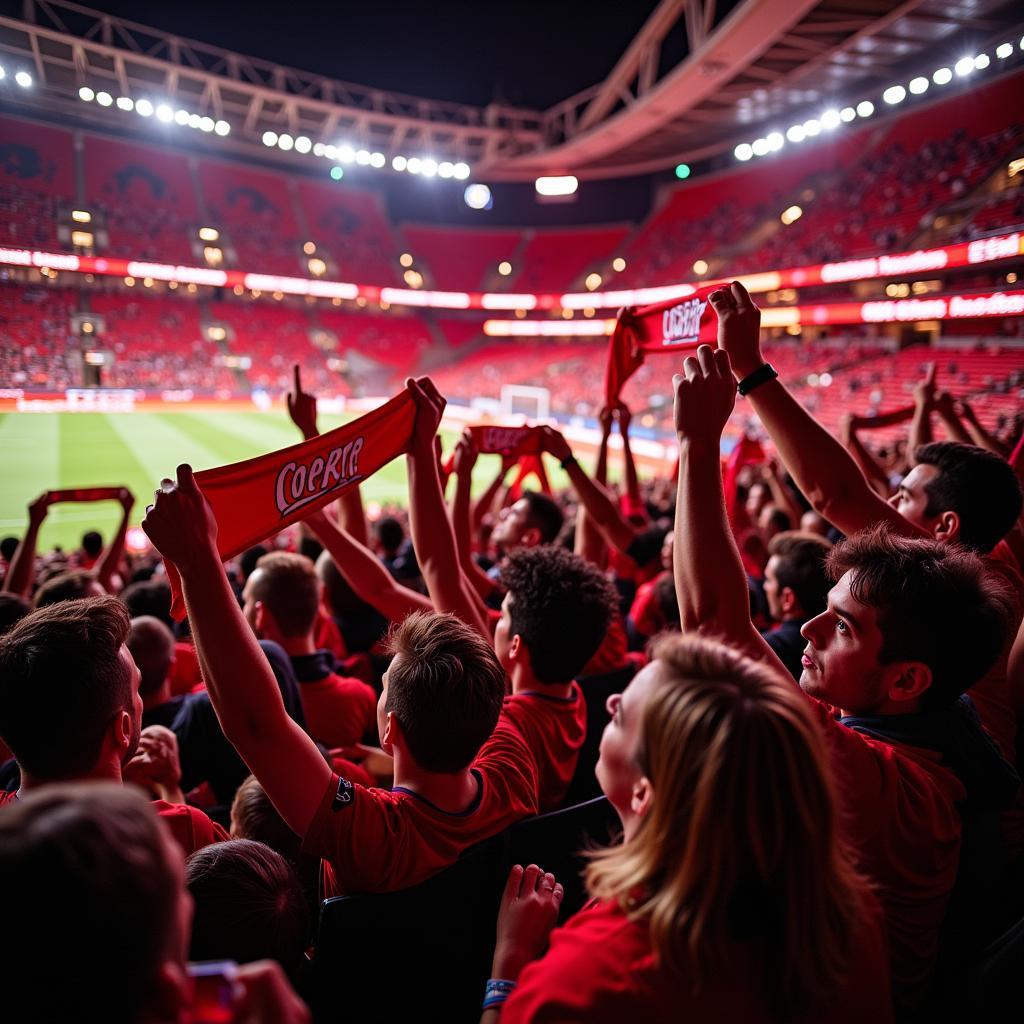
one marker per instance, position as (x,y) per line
(732,895)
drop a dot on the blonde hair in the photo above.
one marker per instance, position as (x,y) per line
(740,846)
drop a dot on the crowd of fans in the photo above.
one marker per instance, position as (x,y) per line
(775,701)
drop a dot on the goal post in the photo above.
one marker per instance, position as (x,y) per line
(521,400)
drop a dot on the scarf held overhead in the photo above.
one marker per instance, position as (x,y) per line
(255,499)
(672,326)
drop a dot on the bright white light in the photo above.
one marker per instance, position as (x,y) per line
(428,168)
(744,151)
(346,154)
(760,147)
(222,128)
(104,99)
(894,94)
(918,85)
(285,142)
(943,76)
(865,108)
(477,196)
(445,169)
(812,127)
(164,113)
(144,108)
(847,114)
(982,61)
(796,133)
(206,124)
(830,119)
(461,171)
(269,138)
(85,93)
(195,121)
(3,75)
(363,157)
(399,163)
(377,160)
(775,141)
(413,165)
(964,66)
(318,149)
(24,79)
(181,117)
(331,152)
(303,145)
(1004,50)
(556,185)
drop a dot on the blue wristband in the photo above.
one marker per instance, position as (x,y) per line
(497,991)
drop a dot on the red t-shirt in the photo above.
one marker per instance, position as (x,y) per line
(555,728)
(600,969)
(645,612)
(327,635)
(185,674)
(378,840)
(901,817)
(339,710)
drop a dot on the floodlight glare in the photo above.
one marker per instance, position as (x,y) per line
(847,114)
(812,127)
(24,79)
(744,151)
(1004,50)
(181,118)
(222,128)
(377,160)
(144,108)
(796,133)
(865,108)
(759,147)
(918,85)
(104,99)
(428,168)
(964,66)
(85,93)
(776,141)
(462,171)
(399,162)
(830,119)
(164,113)
(982,61)
(303,145)
(556,185)
(363,157)
(446,169)
(285,142)
(478,197)
(943,76)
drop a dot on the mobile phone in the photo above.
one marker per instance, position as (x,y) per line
(213,991)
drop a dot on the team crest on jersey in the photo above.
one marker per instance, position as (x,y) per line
(681,324)
(344,797)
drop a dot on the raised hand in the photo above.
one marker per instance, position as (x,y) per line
(430,405)
(924,389)
(625,417)
(705,393)
(529,910)
(156,765)
(554,444)
(302,408)
(180,522)
(606,417)
(739,328)
(465,454)
(126,498)
(38,509)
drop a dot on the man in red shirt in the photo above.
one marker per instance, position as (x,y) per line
(70,707)
(282,597)
(884,666)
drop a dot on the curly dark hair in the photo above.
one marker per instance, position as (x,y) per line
(561,605)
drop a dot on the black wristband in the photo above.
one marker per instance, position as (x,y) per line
(765,372)
(567,461)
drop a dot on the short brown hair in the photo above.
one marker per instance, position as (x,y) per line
(801,568)
(61,683)
(935,603)
(289,589)
(445,687)
(72,585)
(253,816)
(99,846)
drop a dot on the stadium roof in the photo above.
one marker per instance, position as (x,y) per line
(697,78)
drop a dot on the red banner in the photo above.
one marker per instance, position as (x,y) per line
(254,499)
(87,494)
(492,440)
(672,326)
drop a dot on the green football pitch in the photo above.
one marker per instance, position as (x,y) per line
(45,451)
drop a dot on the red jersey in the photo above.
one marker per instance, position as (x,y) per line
(327,635)
(339,710)
(555,728)
(378,840)
(645,612)
(600,969)
(185,674)
(901,817)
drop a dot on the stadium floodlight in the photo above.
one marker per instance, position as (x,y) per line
(85,93)
(206,124)
(1004,50)
(428,168)
(964,66)
(812,127)
(398,163)
(446,169)
(363,157)
(222,128)
(164,113)
(478,197)
(865,108)
(556,185)
(847,114)
(269,138)
(23,78)
(303,144)
(618,264)
(775,140)
(700,267)
(331,152)
(744,151)
(125,103)
(144,108)
(318,149)
(3,75)
(796,133)
(830,119)
(943,76)
(285,142)
(194,121)
(181,118)
(504,268)
(894,94)
(918,85)
(377,160)
(413,165)
(104,99)
(759,147)
(346,154)
(982,61)
(461,171)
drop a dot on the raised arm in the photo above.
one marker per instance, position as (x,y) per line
(590,542)
(924,406)
(302,411)
(629,465)
(22,568)
(823,469)
(480,583)
(979,435)
(111,558)
(873,472)
(599,506)
(486,502)
(945,406)
(238,677)
(432,535)
(711,585)
(365,572)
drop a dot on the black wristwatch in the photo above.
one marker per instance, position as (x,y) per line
(765,372)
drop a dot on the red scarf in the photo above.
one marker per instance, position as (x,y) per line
(86,494)
(672,326)
(507,440)
(257,498)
